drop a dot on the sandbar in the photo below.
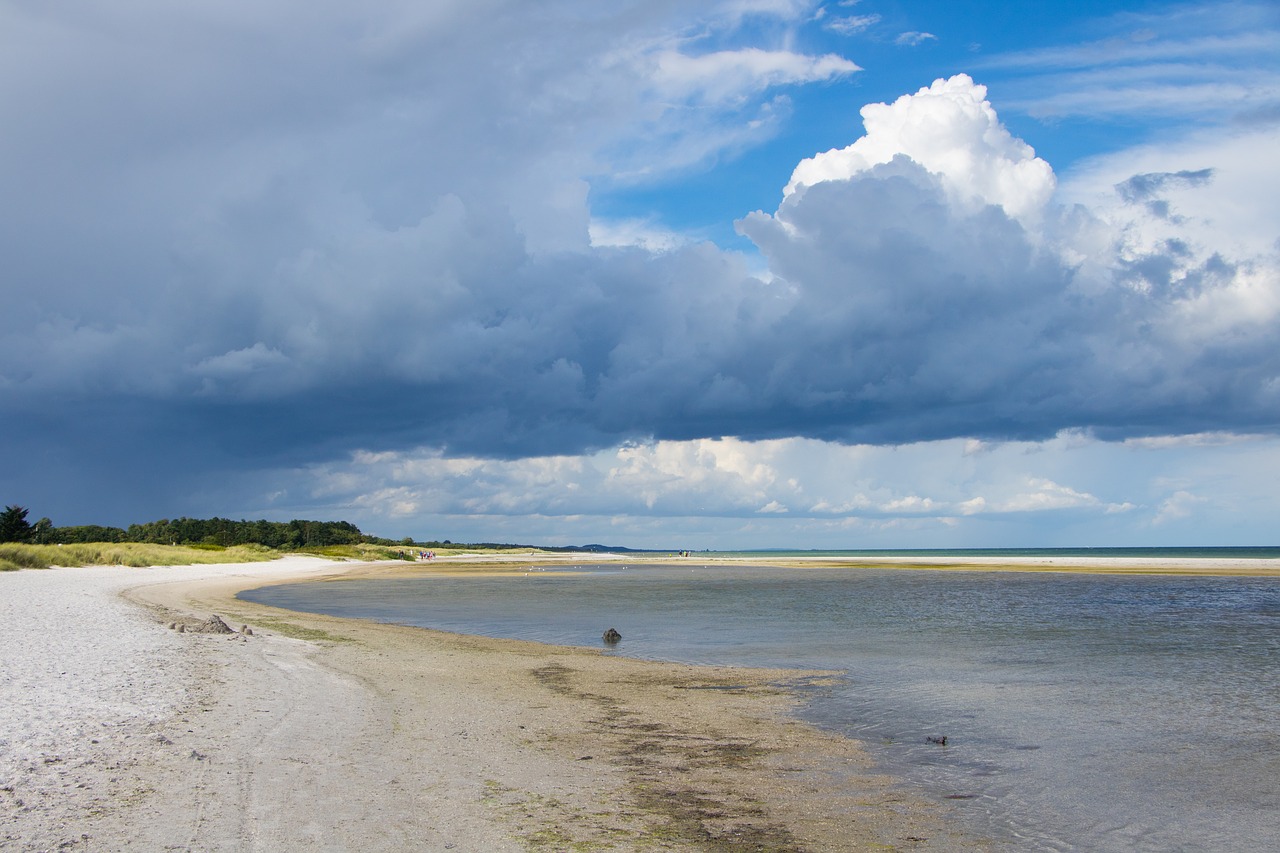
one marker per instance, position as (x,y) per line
(515,563)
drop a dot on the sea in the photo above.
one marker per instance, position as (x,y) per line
(1079,711)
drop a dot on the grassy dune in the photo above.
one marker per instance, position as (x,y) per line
(20,556)
(15,555)
(363,553)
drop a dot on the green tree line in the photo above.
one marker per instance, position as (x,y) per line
(298,533)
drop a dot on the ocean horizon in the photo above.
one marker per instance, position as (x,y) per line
(1224,552)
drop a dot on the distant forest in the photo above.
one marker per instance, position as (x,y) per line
(281,535)
(187,531)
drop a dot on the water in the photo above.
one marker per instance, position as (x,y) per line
(1248,552)
(1092,712)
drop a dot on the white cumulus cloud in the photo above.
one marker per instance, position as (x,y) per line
(951,130)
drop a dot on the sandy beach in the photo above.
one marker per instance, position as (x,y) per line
(122,732)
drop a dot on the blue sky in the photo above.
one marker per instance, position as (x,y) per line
(1030,53)
(748,273)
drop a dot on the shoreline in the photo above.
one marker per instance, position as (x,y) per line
(1164,566)
(334,734)
(317,732)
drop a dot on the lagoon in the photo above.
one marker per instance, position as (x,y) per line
(1100,712)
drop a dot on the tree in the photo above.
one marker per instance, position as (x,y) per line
(42,532)
(13,524)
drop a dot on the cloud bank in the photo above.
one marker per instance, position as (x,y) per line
(371,233)
(1068,490)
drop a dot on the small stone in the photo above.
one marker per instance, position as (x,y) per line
(214,625)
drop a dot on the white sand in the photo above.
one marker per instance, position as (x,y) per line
(120,733)
(95,693)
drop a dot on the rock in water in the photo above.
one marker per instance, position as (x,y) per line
(611,636)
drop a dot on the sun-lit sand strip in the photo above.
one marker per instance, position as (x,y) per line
(319,733)
(509,564)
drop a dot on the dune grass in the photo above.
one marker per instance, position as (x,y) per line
(15,555)
(370,553)
(362,552)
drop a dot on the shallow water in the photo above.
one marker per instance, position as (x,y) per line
(1092,712)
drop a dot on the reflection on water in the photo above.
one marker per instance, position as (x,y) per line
(1080,711)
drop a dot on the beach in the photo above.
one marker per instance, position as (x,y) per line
(319,733)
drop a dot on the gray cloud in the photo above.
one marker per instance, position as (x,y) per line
(1144,187)
(1150,189)
(239,250)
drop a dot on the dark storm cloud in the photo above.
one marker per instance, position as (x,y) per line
(894,317)
(237,250)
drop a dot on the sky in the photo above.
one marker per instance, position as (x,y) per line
(727,274)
